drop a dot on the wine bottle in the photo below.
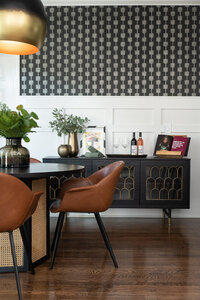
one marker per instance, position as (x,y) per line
(140,143)
(133,145)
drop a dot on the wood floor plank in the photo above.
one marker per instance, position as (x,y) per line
(155,263)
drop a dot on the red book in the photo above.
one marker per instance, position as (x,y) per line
(180,143)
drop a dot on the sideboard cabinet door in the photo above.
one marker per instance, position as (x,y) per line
(165,183)
(127,190)
(56,182)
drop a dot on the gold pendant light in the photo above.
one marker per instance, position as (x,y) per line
(22,26)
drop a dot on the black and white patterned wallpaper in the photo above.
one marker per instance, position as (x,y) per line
(122,50)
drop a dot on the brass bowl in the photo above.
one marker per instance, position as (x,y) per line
(64,150)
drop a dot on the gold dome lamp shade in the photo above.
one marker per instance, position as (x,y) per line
(22,26)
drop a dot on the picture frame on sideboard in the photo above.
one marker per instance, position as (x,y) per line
(94,136)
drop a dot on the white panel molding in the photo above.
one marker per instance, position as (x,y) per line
(182,119)
(181,129)
(137,127)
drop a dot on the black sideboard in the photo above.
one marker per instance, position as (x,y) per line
(144,182)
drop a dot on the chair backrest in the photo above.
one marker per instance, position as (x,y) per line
(17,202)
(95,195)
(113,168)
(34,160)
(106,180)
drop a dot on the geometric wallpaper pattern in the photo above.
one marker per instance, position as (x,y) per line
(116,50)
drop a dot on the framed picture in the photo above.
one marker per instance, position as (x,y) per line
(95,137)
(164,142)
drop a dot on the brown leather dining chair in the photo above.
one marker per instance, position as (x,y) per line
(88,195)
(17,204)
(34,160)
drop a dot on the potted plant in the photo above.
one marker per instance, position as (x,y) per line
(15,126)
(68,124)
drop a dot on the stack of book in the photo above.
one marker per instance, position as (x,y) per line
(168,145)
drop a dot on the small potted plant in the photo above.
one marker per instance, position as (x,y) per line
(68,124)
(15,126)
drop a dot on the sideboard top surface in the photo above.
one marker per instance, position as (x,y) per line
(111,158)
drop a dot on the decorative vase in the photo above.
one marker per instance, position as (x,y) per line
(64,150)
(14,155)
(73,142)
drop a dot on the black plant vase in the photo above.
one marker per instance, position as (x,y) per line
(14,155)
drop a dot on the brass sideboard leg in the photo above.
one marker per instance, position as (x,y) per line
(167,212)
(169,216)
(163,211)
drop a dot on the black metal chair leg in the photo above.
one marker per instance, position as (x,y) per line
(56,231)
(106,239)
(57,237)
(15,264)
(27,248)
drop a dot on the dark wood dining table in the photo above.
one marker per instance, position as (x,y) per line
(36,177)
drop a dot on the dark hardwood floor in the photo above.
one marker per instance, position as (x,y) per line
(154,263)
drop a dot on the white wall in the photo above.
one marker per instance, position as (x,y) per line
(121,116)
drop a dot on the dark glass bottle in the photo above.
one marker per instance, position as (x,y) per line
(133,145)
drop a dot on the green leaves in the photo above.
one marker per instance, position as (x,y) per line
(26,139)
(19,107)
(64,124)
(33,115)
(16,124)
